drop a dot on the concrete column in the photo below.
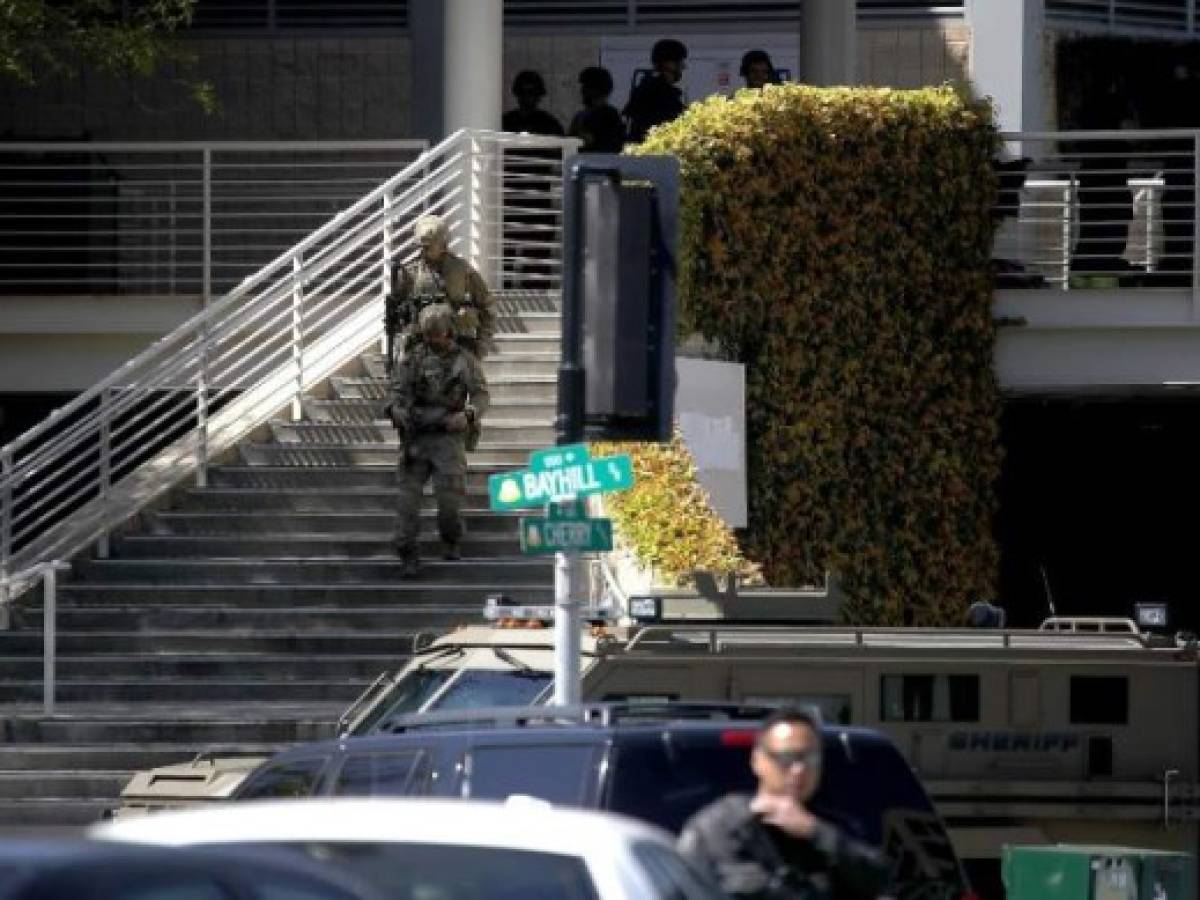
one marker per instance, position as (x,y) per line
(473,73)
(828,42)
(1007,59)
(426,25)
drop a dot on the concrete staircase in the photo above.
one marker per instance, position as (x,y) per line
(244,616)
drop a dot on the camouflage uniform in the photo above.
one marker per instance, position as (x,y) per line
(427,387)
(450,280)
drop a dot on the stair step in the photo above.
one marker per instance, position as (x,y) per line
(125,756)
(383,454)
(497,433)
(512,388)
(277,620)
(13,691)
(276,667)
(43,811)
(447,598)
(166,730)
(379,476)
(28,642)
(306,502)
(98,785)
(376,521)
(276,570)
(375,545)
(360,411)
(497,365)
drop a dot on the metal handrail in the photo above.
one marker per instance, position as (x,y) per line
(165,413)
(45,573)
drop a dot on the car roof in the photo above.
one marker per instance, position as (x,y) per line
(31,859)
(519,824)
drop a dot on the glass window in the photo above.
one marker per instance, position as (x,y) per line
(476,688)
(407,696)
(929,698)
(1099,700)
(648,784)
(381,774)
(412,871)
(297,778)
(560,773)
(672,877)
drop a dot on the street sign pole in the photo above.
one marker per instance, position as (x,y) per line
(567,625)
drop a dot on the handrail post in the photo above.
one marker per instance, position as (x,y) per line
(206,225)
(49,638)
(1195,225)
(1069,195)
(6,513)
(298,331)
(385,261)
(102,548)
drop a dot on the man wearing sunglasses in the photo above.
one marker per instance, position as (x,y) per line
(770,845)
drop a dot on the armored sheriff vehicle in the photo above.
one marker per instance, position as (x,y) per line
(1083,731)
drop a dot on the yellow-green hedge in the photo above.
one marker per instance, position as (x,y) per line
(666,519)
(837,241)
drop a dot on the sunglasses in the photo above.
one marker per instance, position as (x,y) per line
(785,759)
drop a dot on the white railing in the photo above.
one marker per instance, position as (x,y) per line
(1098,209)
(157,218)
(1172,16)
(192,395)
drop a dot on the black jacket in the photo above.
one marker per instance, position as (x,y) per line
(750,859)
(654,101)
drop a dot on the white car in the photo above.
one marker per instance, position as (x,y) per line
(425,849)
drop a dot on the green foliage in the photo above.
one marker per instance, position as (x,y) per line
(837,242)
(40,38)
(666,519)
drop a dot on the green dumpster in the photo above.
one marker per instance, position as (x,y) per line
(1076,872)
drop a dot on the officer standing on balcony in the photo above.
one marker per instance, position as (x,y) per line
(439,276)
(439,395)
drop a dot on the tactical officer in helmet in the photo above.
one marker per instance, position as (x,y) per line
(439,396)
(656,98)
(770,846)
(439,276)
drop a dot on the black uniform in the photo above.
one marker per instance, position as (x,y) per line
(748,858)
(654,101)
(600,128)
(537,122)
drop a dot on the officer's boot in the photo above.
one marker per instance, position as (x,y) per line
(410,562)
(451,550)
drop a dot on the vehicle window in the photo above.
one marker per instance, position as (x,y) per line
(560,773)
(408,695)
(835,709)
(929,698)
(870,792)
(665,785)
(295,778)
(440,872)
(381,774)
(117,882)
(293,889)
(1099,700)
(492,687)
(672,878)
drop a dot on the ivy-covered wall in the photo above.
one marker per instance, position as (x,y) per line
(837,241)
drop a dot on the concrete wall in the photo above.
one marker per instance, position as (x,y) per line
(914,56)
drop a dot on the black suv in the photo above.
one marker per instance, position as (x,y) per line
(659,763)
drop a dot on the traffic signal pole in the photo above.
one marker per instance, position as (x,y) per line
(662,173)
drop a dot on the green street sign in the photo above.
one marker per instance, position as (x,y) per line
(518,490)
(566,509)
(557,457)
(542,535)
